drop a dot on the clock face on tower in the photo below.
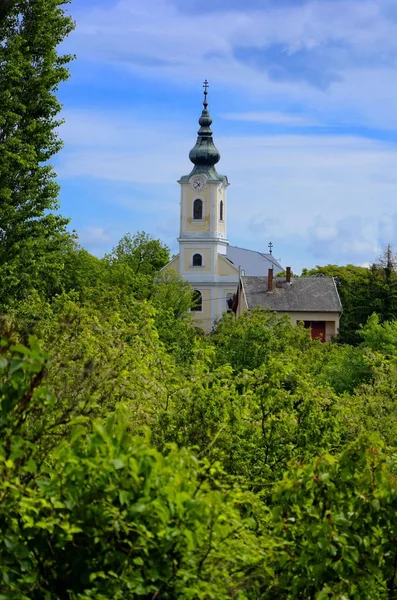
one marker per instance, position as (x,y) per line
(197,184)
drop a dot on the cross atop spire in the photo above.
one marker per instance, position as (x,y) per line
(205,154)
(205,86)
(270,248)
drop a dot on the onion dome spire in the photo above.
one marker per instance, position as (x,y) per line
(204,154)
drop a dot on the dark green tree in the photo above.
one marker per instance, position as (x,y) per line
(5,7)
(383,280)
(32,235)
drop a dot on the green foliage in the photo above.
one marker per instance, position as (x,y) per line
(134,262)
(101,513)
(172,298)
(142,459)
(380,337)
(173,293)
(254,424)
(97,358)
(32,238)
(247,342)
(344,368)
(141,253)
(336,522)
(384,281)
(107,515)
(83,273)
(372,407)
(245,487)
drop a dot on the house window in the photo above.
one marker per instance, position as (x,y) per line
(229,302)
(198,209)
(221,210)
(197,260)
(197,304)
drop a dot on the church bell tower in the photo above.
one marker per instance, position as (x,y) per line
(203,229)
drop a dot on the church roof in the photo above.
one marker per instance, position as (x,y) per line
(303,294)
(205,155)
(252,262)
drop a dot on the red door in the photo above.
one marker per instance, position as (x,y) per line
(318,329)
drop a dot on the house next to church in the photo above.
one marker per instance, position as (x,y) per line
(313,300)
(224,276)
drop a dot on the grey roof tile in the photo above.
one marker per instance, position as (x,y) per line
(305,294)
(253,262)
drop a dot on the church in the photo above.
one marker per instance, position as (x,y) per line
(220,273)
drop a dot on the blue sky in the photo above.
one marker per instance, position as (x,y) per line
(302,95)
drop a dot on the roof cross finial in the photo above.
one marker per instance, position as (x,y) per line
(205,86)
(270,248)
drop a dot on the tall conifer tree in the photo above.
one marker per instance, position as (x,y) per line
(31,69)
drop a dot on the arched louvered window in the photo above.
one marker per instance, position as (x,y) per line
(197,260)
(198,209)
(221,210)
(197,304)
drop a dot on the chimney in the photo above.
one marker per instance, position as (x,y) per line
(288,275)
(270,280)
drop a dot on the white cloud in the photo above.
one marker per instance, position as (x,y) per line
(325,192)
(83,128)
(94,236)
(333,195)
(114,147)
(351,237)
(270,117)
(356,40)
(324,231)
(161,32)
